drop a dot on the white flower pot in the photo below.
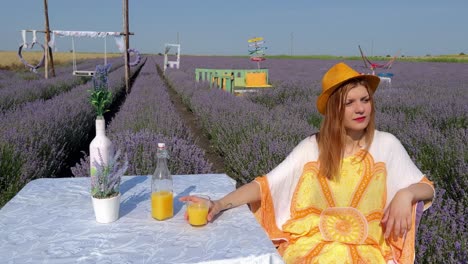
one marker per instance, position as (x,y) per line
(106,210)
(101,147)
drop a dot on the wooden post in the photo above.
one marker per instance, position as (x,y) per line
(127,45)
(48,50)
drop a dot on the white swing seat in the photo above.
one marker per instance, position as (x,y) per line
(173,64)
(77,72)
(83,73)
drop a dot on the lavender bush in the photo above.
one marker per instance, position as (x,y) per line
(252,139)
(15,93)
(43,134)
(442,234)
(146,118)
(149,107)
(186,157)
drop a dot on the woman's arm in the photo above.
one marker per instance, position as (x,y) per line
(247,193)
(280,179)
(421,192)
(397,216)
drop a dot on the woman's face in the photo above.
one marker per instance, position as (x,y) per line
(357,111)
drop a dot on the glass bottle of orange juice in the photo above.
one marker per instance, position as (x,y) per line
(161,187)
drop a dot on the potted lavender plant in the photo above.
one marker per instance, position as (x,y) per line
(105,188)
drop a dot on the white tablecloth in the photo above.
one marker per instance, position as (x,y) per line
(52,221)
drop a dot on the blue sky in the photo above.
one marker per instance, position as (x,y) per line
(207,27)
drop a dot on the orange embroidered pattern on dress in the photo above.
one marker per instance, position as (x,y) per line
(343,224)
(310,170)
(354,254)
(265,215)
(366,177)
(371,241)
(313,231)
(313,253)
(308,211)
(374,216)
(326,190)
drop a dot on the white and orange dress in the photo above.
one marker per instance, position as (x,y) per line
(315,220)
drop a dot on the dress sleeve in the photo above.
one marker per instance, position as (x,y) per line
(265,215)
(401,170)
(283,179)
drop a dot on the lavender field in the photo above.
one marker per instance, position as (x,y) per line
(425,107)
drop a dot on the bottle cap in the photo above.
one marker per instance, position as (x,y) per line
(161,145)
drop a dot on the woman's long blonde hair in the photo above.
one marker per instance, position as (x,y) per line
(332,136)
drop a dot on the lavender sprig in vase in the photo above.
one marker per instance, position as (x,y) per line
(105,188)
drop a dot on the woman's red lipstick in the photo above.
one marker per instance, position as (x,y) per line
(360,119)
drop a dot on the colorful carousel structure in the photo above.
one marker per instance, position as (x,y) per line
(385,77)
(239,81)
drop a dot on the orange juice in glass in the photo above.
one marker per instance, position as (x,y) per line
(162,205)
(198,210)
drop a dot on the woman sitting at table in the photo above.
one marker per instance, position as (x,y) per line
(347,193)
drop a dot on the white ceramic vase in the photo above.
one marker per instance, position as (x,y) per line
(106,210)
(100,145)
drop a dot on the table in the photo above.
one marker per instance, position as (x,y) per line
(52,221)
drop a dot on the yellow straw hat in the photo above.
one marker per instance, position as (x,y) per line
(338,75)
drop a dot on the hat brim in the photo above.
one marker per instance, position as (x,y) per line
(322,100)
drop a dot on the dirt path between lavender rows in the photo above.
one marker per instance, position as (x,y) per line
(201,139)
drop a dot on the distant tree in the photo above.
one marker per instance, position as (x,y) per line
(461,54)
(388,56)
(428,55)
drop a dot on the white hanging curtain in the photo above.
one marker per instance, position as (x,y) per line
(88,34)
(25,43)
(119,40)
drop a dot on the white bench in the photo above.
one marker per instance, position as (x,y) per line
(387,80)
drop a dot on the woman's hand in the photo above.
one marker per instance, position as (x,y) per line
(215,206)
(247,193)
(397,216)
(215,209)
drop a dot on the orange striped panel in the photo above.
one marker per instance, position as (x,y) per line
(326,190)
